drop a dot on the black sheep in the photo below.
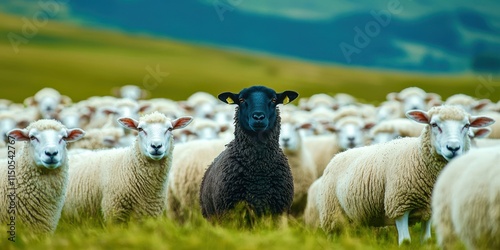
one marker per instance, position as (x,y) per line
(252,170)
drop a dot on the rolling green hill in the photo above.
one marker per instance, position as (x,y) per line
(82,62)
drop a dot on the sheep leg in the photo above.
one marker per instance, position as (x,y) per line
(426,230)
(402,227)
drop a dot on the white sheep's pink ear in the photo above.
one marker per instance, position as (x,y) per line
(394,96)
(481,133)
(480,121)
(224,128)
(66,100)
(74,134)
(368,125)
(30,101)
(109,111)
(144,107)
(432,97)
(331,128)
(418,116)
(306,125)
(128,123)
(19,134)
(181,122)
(480,104)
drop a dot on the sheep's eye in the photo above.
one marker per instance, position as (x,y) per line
(170,129)
(467,126)
(273,100)
(33,138)
(434,125)
(140,129)
(242,100)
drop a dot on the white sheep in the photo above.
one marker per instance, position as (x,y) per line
(165,106)
(466,201)
(74,116)
(100,110)
(190,161)
(99,138)
(316,101)
(322,118)
(495,128)
(131,92)
(127,182)
(48,101)
(5,104)
(389,110)
(486,142)
(389,183)
(33,184)
(414,98)
(478,138)
(300,161)
(468,103)
(344,99)
(388,130)
(7,123)
(350,133)
(201,128)
(201,104)
(311,212)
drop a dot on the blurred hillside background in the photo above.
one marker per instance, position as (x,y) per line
(174,48)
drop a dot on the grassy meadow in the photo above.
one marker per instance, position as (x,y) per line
(162,233)
(82,62)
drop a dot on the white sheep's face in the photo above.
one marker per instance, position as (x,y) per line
(70,120)
(350,135)
(205,110)
(387,112)
(384,137)
(450,137)
(131,92)
(414,102)
(48,147)
(49,106)
(154,138)
(290,139)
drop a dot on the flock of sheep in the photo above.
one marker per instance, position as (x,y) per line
(329,160)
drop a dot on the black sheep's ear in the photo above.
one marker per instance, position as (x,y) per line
(229,98)
(286,96)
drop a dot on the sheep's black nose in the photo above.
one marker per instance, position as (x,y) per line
(258,116)
(51,154)
(285,139)
(350,138)
(453,149)
(156,146)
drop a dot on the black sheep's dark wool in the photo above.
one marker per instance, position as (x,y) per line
(252,170)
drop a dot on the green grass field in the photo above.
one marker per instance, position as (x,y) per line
(82,62)
(162,233)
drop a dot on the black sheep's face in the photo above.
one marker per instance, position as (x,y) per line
(257,106)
